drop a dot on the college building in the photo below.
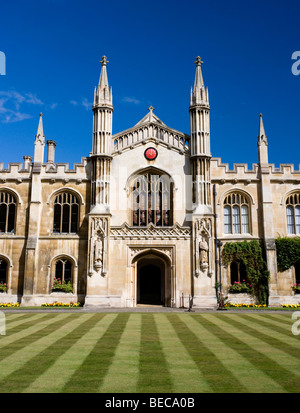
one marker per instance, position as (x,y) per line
(140,221)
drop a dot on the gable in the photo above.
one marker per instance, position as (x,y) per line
(150,128)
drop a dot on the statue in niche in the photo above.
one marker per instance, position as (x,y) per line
(98,253)
(203,252)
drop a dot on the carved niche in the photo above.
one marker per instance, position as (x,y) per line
(98,245)
(203,246)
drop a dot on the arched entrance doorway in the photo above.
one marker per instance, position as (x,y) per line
(151,281)
(297,272)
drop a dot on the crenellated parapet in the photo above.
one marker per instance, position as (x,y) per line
(221,172)
(285,173)
(18,171)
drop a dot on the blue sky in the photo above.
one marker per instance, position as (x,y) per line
(53,50)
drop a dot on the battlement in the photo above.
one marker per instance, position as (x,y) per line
(285,168)
(19,170)
(241,171)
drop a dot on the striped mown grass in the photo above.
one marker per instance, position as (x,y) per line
(149,353)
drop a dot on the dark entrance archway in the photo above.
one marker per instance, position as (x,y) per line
(151,282)
(297,272)
(3,271)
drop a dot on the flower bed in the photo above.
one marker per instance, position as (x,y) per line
(3,287)
(244,305)
(62,286)
(296,288)
(291,305)
(59,304)
(240,287)
(9,305)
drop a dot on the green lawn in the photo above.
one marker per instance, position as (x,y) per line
(221,352)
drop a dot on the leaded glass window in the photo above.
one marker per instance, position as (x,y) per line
(236,214)
(7,212)
(293,214)
(152,200)
(66,213)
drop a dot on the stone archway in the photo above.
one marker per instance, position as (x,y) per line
(153,278)
(151,282)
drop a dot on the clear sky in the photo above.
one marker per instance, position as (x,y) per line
(53,49)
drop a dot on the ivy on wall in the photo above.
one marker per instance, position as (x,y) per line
(288,252)
(251,254)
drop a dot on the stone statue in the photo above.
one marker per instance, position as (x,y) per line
(203,250)
(98,257)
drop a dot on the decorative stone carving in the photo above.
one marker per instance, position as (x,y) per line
(203,246)
(150,232)
(98,245)
(167,251)
(98,253)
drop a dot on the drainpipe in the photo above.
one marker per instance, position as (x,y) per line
(218,245)
(216,240)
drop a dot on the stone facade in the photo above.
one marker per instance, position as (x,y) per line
(128,227)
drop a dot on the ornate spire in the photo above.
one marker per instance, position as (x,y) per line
(103,81)
(39,142)
(199,95)
(261,134)
(262,144)
(40,131)
(103,96)
(198,78)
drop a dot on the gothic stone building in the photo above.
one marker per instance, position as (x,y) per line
(136,222)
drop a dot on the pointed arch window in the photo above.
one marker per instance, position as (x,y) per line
(293,213)
(236,214)
(66,213)
(238,272)
(7,212)
(152,200)
(63,270)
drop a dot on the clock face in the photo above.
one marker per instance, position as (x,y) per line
(151,154)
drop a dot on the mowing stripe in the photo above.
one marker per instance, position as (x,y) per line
(35,366)
(27,333)
(284,319)
(186,376)
(20,316)
(16,324)
(89,376)
(207,362)
(282,354)
(263,356)
(70,361)
(284,327)
(22,328)
(284,340)
(153,370)
(249,377)
(42,339)
(122,374)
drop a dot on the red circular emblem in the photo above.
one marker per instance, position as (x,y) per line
(151,154)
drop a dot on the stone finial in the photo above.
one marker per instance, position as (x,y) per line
(104,61)
(198,61)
